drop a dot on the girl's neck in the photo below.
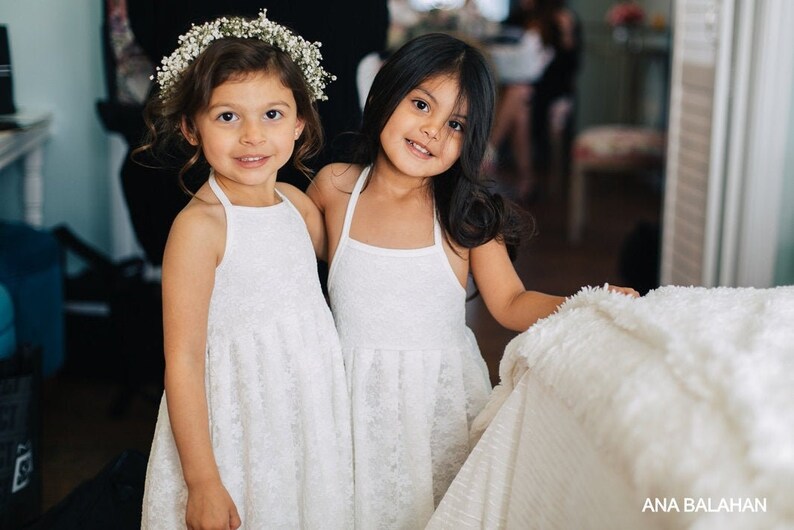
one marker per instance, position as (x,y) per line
(253,195)
(387,180)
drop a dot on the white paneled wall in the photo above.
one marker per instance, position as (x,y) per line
(684,238)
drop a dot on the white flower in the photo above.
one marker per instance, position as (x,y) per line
(305,54)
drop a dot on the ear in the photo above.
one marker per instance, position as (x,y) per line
(187,131)
(299,125)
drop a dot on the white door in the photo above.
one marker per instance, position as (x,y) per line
(732,70)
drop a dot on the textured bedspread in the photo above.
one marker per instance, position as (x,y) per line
(675,410)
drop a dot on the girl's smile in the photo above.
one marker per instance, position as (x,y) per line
(422,150)
(253,162)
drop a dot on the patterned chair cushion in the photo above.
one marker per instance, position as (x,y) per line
(620,144)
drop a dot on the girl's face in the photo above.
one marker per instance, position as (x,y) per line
(248,130)
(424,135)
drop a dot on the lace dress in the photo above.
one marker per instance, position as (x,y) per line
(275,383)
(416,376)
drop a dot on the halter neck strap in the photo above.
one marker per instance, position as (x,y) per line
(216,189)
(351,205)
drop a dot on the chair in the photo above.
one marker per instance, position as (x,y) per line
(609,149)
(113,323)
(8,338)
(31,271)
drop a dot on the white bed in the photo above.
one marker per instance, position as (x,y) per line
(675,410)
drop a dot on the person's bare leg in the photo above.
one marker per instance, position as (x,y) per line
(511,100)
(520,146)
(515,111)
(511,116)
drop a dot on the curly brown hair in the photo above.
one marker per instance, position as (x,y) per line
(225,59)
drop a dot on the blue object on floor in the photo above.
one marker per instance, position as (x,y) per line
(30,269)
(8,341)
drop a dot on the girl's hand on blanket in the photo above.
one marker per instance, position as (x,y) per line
(628,291)
(210,507)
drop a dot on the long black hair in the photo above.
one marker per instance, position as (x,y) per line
(469,211)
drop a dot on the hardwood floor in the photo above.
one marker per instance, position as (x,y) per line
(80,436)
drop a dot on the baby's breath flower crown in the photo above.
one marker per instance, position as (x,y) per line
(305,54)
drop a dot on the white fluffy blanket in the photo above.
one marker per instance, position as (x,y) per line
(686,393)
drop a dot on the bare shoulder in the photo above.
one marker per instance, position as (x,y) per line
(298,198)
(339,174)
(334,182)
(293,193)
(199,227)
(203,209)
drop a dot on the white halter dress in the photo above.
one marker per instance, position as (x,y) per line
(275,385)
(415,373)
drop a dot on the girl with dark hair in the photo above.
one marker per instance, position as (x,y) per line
(407,222)
(254,424)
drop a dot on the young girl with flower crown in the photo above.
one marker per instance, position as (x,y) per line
(406,225)
(254,426)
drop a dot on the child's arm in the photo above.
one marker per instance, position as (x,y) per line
(191,255)
(311,215)
(330,191)
(503,291)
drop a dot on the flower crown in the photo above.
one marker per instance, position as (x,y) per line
(305,54)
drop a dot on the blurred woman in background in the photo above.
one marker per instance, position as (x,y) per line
(531,111)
